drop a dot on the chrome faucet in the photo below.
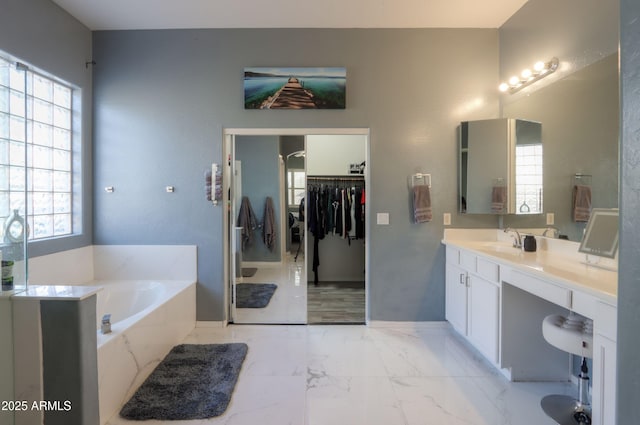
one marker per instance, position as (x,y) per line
(554,231)
(517,239)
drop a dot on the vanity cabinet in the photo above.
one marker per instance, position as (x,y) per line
(604,364)
(456,297)
(473,300)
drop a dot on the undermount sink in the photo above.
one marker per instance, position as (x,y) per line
(500,247)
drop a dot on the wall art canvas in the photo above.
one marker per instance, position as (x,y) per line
(295,88)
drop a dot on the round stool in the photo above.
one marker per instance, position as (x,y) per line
(573,334)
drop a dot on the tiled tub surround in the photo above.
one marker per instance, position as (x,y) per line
(150,292)
(497,297)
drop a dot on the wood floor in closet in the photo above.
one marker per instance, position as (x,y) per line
(336,302)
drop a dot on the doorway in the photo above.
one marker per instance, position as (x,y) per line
(268,283)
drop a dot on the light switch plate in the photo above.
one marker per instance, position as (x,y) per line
(550,219)
(382,218)
(446,219)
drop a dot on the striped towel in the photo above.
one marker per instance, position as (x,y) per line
(422,204)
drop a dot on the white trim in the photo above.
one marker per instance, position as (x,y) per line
(409,325)
(229,135)
(212,324)
(293,131)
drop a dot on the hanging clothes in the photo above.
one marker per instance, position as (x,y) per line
(334,209)
(269,224)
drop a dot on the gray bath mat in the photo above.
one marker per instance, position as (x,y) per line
(192,382)
(254,295)
(249,271)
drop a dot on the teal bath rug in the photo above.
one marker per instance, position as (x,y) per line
(254,295)
(193,381)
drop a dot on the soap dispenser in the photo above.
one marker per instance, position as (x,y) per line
(529,243)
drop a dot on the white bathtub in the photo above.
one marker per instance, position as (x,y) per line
(148,318)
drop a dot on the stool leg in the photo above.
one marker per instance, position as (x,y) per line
(566,410)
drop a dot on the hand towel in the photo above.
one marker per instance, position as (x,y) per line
(498,199)
(581,203)
(246,220)
(207,184)
(422,204)
(269,224)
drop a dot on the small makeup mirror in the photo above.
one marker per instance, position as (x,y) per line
(601,235)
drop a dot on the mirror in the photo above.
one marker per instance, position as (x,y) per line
(580,113)
(601,235)
(501,167)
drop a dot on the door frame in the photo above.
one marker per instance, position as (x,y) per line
(228,137)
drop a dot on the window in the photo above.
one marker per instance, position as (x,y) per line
(36,150)
(296,187)
(529,178)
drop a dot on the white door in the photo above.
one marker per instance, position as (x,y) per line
(456,297)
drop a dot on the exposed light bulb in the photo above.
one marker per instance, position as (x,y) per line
(528,76)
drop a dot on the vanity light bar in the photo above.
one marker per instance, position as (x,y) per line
(527,77)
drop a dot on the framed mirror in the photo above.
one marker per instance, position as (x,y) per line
(501,167)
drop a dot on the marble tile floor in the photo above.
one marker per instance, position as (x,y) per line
(359,375)
(288,303)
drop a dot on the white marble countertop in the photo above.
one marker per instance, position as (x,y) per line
(554,261)
(57,292)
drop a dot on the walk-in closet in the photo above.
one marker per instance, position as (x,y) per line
(335,222)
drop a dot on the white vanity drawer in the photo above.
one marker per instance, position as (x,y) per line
(548,291)
(606,320)
(453,255)
(488,270)
(468,261)
(584,304)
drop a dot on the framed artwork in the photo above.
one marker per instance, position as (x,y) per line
(295,88)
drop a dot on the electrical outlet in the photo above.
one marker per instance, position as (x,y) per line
(550,219)
(446,218)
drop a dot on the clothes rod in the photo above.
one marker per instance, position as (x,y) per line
(338,178)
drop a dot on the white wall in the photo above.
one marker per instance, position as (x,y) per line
(331,155)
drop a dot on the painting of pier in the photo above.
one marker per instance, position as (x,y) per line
(295,88)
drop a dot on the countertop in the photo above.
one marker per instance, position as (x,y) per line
(562,267)
(57,292)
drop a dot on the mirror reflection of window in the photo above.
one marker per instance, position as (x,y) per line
(296,187)
(529,179)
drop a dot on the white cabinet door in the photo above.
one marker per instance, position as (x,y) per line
(603,394)
(484,316)
(604,381)
(456,298)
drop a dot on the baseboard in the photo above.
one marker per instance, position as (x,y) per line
(211,324)
(408,325)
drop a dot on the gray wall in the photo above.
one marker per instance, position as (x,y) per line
(41,34)
(629,267)
(260,178)
(163,98)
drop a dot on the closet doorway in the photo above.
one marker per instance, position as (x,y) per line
(269,246)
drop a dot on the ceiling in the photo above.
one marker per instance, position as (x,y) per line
(172,14)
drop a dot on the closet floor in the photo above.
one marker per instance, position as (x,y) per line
(336,302)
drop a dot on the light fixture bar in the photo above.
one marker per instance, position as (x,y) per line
(528,77)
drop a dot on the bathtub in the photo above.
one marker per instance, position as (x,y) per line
(148,318)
